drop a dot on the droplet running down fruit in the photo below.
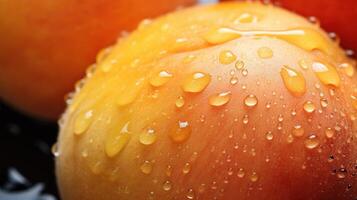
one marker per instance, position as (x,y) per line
(226,101)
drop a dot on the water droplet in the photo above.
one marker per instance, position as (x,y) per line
(234,80)
(265,52)
(341,173)
(190,194)
(241,173)
(245,119)
(167,186)
(309,107)
(103,54)
(160,78)
(348,69)
(293,81)
(303,64)
(329,132)
(246,18)
(298,130)
(251,101)
(269,135)
(189,59)
(324,103)
(147,137)
(181,133)
(245,72)
(196,82)
(312,142)
(220,35)
(82,122)
(326,73)
(254,177)
(239,65)
(220,99)
(146,167)
(54,150)
(115,140)
(186,168)
(168,171)
(180,102)
(227,57)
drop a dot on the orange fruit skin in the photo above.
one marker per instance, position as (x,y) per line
(47,45)
(148,123)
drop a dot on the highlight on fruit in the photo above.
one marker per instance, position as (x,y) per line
(224,101)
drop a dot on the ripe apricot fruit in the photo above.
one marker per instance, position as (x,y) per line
(47,45)
(228,101)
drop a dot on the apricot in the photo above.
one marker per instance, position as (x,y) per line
(47,45)
(226,101)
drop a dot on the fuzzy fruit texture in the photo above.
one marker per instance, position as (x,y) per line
(47,45)
(226,101)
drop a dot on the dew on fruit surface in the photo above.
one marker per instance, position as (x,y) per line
(245,119)
(326,73)
(305,38)
(269,135)
(147,137)
(280,118)
(82,122)
(160,78)
(309,107)
(245,72)
(323,102)
(298,130)
(293,80)
(241,173)
(190,194)
(220,99)
(181,133)
(180,102)
(303,64)
(250,101)
(128,96)
(239,64)
(348,69)
(103,54)
(246,18)
(146,167)
(54,150)
(115,140)
(341,173)
(186,168)
(265,52)
(312,142)
(290,139)
(167,186)
(196,82)
(254,177)
(329,132)
(234,80)
(227,57)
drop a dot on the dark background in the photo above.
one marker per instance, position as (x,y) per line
(25,144)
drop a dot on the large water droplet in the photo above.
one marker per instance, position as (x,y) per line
(312,142)
(116,140)
(227,57)
(196,82)
(160,78)
(180,133)
(293,81)
(251,101)
(326,73)
(309,107)
(298,130)
(82,122)
(146,167)
(220,99)
(148,137)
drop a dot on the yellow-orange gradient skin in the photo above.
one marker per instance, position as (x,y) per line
(47,45)
(228,101)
